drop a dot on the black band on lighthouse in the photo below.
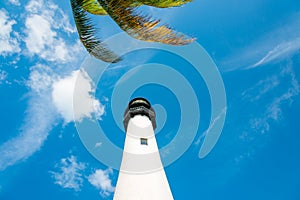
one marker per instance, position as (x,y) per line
(139,106)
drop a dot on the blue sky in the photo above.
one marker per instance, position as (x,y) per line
(255,46)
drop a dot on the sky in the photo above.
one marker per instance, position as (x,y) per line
(54,98)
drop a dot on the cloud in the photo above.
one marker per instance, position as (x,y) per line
(44,82)
(41,78)
(211,126)
(45,25)
(273,110)
(265,86)
(56,16)
(84,103)
(69,174)
(274,46)
(267,99)
(8,44)
(3,75)
(279,52)
(32,135)
(101,180)
(40,110)
(15,2)
(98,144)
(211,135)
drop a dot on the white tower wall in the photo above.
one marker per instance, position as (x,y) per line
(142,176)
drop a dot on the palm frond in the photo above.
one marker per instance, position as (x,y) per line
(93,7)
(139,26)
(87,34)
(163,3)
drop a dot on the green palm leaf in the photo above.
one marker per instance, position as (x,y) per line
(163,3)
(93,7)
(87,34)
(139,26)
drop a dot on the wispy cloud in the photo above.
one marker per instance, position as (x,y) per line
(273,110)
(101,180)
(32,135)
(41,79)
(211,135)
(212,124)
(275,45)
(69,174)
(279,52)
(261,88)
(268,96)
(8,43)
(3,75)
(41,110)
(15,2)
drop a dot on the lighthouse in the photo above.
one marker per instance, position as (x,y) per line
(142,175)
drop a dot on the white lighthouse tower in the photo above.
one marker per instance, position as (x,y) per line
(141,176)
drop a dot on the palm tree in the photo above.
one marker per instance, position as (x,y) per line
(124,13)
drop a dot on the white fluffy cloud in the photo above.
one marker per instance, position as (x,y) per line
(84,104)
(101,180)
(44,23)
(40,34)
(69,174)
(8,43)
